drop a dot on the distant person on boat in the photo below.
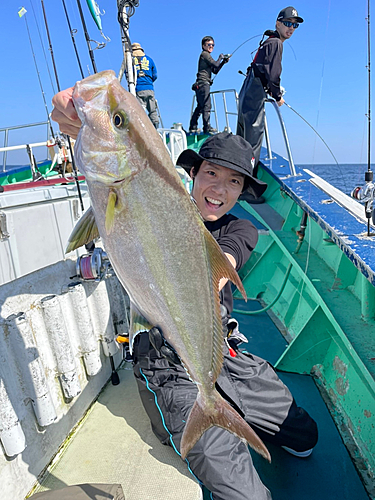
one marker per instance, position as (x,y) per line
(206,66)
(263,77)
(146,75)
(221,171)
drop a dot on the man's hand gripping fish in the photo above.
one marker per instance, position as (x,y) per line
(167,261)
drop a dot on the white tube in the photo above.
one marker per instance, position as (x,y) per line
(101,315)
(55,325)
(85,330)
(11,433)
(38,390)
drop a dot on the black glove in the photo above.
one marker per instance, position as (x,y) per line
(159,344)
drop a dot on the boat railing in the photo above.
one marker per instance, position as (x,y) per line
(227,114)
(6,148)
(215,107)
(175,141)
(285,135)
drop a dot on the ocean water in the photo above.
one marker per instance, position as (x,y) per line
(344,177)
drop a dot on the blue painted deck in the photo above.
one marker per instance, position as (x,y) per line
(343,228)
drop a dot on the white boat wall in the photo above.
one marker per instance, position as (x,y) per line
(56,333)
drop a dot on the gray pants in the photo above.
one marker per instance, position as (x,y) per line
(147,99)
(220,460)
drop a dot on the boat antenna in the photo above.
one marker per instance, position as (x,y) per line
(22,13)
(59,89)
(126,9)
(72,34)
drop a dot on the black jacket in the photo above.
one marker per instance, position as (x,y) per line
(237,237)
(206,66)
(267,65)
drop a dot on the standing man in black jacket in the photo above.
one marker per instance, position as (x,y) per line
(263,77)
(206,66)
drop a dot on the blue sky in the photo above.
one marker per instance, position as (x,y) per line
(324,63)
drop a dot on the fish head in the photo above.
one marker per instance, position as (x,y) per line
(111,119)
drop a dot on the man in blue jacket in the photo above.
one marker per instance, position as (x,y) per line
(146,75)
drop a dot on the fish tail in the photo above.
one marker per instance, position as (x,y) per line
(218,413)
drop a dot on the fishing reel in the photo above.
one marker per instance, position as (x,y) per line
(366,194)
(93,266)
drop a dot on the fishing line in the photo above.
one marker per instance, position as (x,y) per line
(42,44)
(72,34)
(39,79)
(322,77)
(321,138)
(75,172)
(235,50)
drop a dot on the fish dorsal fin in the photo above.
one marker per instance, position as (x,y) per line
(110,212)
(83,232)
(220,268)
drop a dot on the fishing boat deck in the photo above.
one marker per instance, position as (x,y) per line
(114,442)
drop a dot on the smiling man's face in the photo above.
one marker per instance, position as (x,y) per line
(216,190)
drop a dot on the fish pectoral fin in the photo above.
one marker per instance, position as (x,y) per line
(83,232)
(220,265)
(138,324)
(218,413)
(110,212)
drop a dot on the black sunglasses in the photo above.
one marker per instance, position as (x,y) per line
(289,24)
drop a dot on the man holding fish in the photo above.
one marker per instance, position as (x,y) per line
(194,382)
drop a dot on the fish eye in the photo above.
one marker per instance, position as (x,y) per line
(120,120)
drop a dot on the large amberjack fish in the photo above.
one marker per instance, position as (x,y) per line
(157,243)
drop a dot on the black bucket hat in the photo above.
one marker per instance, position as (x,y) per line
(287,13)
(227,150)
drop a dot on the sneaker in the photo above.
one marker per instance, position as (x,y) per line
(211,131)
(300,454)
(194,130)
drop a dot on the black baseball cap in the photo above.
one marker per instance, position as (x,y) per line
(287,13)
(228,150)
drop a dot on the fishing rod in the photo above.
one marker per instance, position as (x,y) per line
(44,52)
(126,8)
(88,39)
(72,33)
(22,14)
(75,172)
(366,193)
